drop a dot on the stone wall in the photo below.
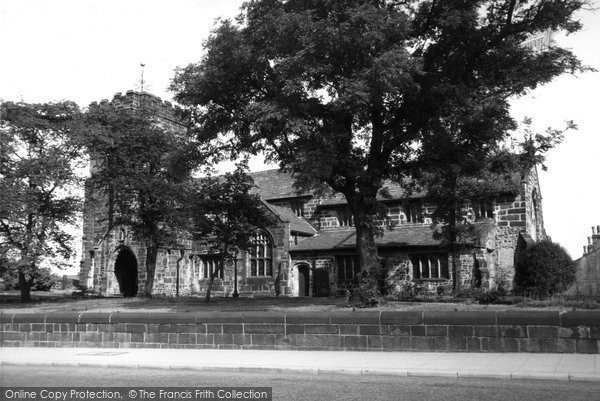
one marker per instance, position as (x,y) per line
(484,331)
(323,262)
(98,268)
(193,282)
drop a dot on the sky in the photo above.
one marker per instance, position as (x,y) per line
(85,51)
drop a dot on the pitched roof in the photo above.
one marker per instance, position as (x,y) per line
(408,236)
(274,184)
(392,191)
(326,239)
(297,224)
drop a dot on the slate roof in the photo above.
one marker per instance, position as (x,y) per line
(273,184)
(325,239)
(408,236)
(394,190)
(297,224)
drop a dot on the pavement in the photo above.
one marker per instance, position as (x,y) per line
(571,367)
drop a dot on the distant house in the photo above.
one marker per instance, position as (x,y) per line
(312,246)
(587,277)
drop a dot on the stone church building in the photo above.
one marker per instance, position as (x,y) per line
(311,249)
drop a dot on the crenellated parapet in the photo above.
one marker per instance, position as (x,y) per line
(101,241)
(163,112)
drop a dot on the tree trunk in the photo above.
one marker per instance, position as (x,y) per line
(210,285)
(213,275)
(151,254)
(25,265)
(452,238)
(181,253)
(235,283)
(25,286)
(368,256)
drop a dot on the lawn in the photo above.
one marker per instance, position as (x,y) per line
(46,302)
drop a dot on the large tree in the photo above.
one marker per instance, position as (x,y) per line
(346,93)
(38,184)
(141,173)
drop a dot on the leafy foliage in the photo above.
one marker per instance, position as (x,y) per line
(227,215)
(43,279)
(350,94)
(544,269)
(473,65)
(38,162)
(142,172)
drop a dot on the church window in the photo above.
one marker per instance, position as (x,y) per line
(261,256)
(413,213)
(430,266)
(483,208)
(345,217)
(298,208)
(209,263)
(347,267)
(534,206)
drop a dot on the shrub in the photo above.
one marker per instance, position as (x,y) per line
(408,292)
(362,298)
(544,269)
(43,279)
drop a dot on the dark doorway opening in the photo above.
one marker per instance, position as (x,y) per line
(321,283)
(303,281)
(126,270)
(476,280)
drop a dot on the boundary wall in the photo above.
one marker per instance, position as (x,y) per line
(476,331)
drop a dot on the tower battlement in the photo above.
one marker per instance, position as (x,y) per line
(163,111)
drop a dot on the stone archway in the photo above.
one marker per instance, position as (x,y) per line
(126,271)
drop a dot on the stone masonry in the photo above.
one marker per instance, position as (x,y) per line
(372,330)
(311,250)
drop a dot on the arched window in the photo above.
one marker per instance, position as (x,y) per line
(261,256)
(534,206)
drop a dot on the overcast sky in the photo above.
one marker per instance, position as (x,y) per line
(88,50)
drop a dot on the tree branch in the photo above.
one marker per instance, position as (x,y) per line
(511,9)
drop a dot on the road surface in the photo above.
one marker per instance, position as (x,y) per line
(308,386)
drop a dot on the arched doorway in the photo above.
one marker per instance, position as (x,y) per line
(303,280)
(126,271)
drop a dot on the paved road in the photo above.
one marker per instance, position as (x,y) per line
(308,386)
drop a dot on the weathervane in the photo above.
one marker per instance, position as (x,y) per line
(142,80)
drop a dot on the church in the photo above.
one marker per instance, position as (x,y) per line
(311,250)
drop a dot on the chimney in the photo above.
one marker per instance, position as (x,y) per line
(596,236)
(593,241)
